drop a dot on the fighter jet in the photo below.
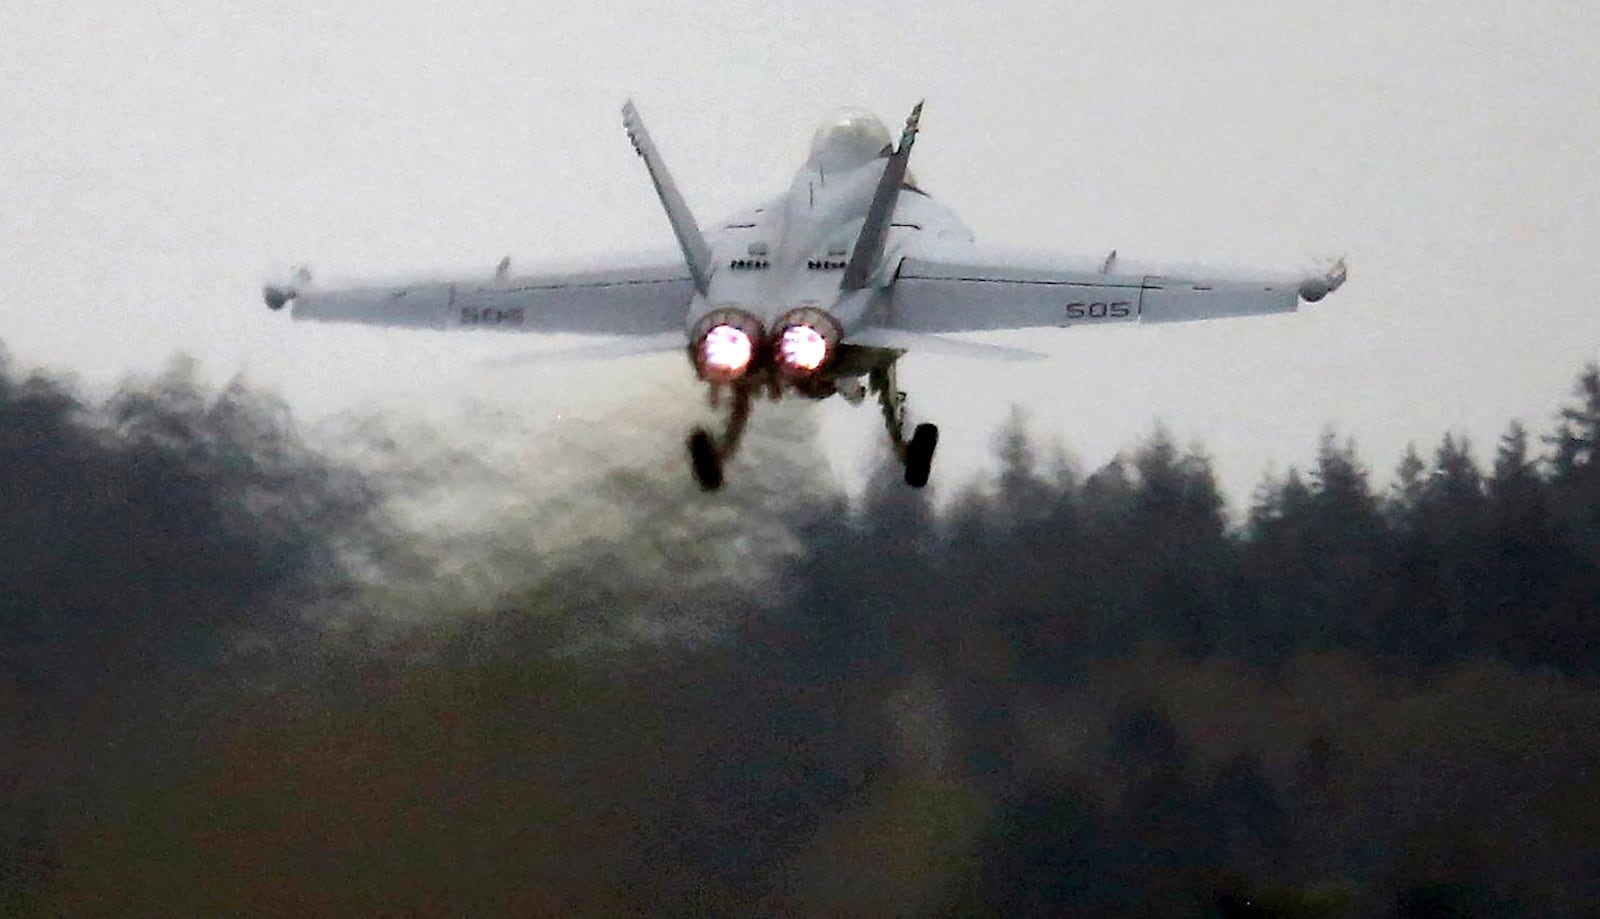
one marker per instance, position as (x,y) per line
(815,293)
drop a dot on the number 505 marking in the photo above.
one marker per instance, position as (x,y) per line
(1115,309)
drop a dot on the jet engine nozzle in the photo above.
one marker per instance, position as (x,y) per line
(724,344)
(805,341)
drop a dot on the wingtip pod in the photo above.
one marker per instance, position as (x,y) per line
(277,296)
(1314,289)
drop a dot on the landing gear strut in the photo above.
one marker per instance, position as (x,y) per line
(915,454)
(707,455)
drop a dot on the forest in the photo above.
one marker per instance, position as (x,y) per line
(242,671)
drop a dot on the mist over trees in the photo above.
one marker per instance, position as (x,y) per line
(236,677)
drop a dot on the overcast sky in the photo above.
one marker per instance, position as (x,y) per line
(160,160)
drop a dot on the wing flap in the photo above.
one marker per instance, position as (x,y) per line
(937,296)
(933,296)
(642,301)
(1165,300)
(418,306)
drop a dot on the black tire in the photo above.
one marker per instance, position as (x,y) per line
(919,454)
(703,460)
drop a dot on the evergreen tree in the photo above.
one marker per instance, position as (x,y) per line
(1023,495)
(1405,496)
(1440,585)
(1454,495)
(1318,574)
(1266,506)
(1582,421)
(1341,486)
(1182,555)
(1571,629)
(1106,593)
(1576,462)
(1041,542)
(1278,615)
(1108,498)
(1296,500)
(1517,494)
(1523,559)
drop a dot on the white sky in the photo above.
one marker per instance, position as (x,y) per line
(161,159)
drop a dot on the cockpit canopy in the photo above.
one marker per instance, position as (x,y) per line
(850,137)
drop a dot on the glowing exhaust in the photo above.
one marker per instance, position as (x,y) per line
(806,340)
(725,348)
(802,348)
(726,351)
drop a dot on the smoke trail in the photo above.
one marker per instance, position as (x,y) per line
(157,530)
(593,515)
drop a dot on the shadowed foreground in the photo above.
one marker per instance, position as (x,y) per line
(239,676)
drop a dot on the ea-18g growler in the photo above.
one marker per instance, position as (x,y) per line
(815,293)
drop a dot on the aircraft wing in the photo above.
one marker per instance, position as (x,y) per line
(931,295)
(646,300)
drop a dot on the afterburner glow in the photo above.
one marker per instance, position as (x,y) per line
(802,348)
(804,341)
(726,350)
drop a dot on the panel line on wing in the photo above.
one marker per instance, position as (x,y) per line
(588,285)
(1033,281)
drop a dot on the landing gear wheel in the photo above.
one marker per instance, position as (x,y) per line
(919,454)
(707,453)
(703,459)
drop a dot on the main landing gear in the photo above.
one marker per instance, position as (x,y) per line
(709,453)
(706,455)
(915,454)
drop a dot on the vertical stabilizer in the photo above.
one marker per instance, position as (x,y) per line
(869,245)
(695,251)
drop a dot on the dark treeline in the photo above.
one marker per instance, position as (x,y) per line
(1452,561)
(1059,695)
(143,540)
(1471,594)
